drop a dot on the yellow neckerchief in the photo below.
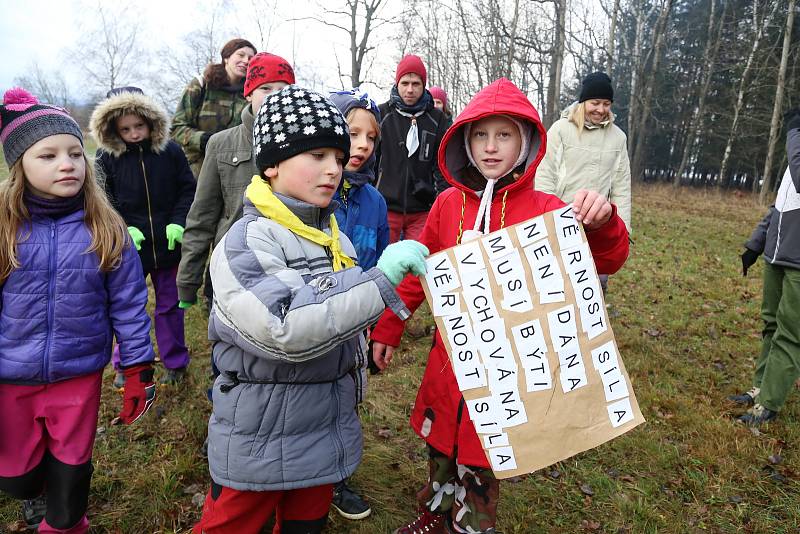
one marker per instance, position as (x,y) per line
(260,194)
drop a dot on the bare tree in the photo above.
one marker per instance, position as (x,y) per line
(359,19)
(707,68)
(654,56)
(119,57)
(49,87)
(766,188)
(551,110)
(759,28)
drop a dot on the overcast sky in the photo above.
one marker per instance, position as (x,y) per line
(40,31)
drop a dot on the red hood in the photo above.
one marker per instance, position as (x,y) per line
(500,97)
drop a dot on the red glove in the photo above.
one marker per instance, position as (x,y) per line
(140,392)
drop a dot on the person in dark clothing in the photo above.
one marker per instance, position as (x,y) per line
(411,130)
(777,238)
(148,180)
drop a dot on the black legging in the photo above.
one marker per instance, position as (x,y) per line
(66,486)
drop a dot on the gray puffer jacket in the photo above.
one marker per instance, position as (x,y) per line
(778,233)
(286,330)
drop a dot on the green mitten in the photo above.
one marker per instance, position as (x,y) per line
(185,305)
(174,234)
(402,258)
(137,236)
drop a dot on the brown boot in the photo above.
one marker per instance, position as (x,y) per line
(427,523)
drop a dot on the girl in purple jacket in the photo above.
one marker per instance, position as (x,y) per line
(70,282)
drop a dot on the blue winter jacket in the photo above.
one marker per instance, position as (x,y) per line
(59,313)
(362,213)
(362,216)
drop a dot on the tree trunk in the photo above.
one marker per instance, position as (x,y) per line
(611,36)
(554,83)
(659,38)
(709,60)
(766,189)
(760,28)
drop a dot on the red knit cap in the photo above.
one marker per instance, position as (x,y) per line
(439,94)
(265,68)
(411,64)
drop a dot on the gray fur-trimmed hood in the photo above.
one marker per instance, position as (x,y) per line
(103,122)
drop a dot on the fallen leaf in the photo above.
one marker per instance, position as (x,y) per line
(591,525)
(554,474)
(17,526)
(735,499)
(385,433)
(775,459)
(627,478)
(192,489)
(198,499)
(586,489)
(653,332)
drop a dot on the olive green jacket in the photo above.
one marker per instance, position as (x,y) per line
(226,172)
(204,110)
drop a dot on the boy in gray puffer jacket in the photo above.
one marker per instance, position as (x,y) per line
(289,308)
(777,236)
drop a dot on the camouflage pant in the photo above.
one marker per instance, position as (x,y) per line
(468,495)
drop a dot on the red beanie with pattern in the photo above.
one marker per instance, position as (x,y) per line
(411,64)
(265,68)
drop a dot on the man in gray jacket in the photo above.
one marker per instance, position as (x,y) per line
(227,169)
(778,238)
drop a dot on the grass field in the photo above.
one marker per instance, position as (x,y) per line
(687,326)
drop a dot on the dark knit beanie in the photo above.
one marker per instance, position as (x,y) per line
(265,68)
(121,90)
(296,120)
(411,64)
(24,122)
(596,85)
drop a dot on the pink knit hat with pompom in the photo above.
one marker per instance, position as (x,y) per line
(24,122)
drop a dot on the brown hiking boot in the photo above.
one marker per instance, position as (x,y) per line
(427,523)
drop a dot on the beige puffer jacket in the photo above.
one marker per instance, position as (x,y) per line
(594,158)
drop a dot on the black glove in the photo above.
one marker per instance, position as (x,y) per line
(792,119)
(204,141)
(749,257)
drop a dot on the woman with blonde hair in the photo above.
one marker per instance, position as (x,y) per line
(586,150)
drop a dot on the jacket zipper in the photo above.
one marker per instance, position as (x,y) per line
(149,211)
(51,290)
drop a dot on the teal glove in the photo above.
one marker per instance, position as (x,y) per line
(174,234)
(137,236)
(185,305)
(402,258)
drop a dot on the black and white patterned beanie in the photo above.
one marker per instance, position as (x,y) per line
(295,120)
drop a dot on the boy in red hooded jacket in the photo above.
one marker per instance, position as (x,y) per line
(489,156)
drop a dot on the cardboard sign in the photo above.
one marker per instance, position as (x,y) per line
(523,319)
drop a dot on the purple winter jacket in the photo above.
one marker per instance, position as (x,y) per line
(59,313)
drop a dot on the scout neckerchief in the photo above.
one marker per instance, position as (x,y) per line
(260,194)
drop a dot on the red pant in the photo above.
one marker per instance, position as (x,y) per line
(228,510)
(409,225)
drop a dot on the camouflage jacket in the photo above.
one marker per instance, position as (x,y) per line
(205,110)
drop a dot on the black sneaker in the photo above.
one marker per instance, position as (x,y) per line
(748,398)
(173,377)
(758,415)
(33,511)
(348,503)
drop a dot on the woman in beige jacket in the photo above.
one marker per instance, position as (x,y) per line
(586,150)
